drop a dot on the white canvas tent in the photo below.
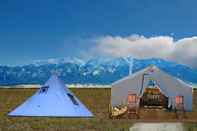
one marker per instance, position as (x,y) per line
(136,83)
(54,99)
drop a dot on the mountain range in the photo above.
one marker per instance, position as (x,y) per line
(93,71)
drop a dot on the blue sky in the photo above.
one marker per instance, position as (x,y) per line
(42,29)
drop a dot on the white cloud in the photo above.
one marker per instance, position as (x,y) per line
(183,51)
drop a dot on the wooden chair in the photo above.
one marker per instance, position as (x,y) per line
(117,112)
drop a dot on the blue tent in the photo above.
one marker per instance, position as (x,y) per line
(54,99)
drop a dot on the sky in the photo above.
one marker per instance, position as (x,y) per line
(43,29)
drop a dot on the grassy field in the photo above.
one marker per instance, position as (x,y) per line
(97,100)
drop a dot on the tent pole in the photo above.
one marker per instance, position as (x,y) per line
(142,84)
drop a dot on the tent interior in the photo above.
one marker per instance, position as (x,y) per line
(153,98)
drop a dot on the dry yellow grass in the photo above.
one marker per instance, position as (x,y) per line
(97,100)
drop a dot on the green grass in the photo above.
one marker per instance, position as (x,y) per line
(97,100)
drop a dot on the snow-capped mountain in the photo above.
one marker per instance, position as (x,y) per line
(59,61)
(94,71)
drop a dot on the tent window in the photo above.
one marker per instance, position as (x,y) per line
(132,98)
(179,99)
(74,101)
(152,83)
(44,89)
